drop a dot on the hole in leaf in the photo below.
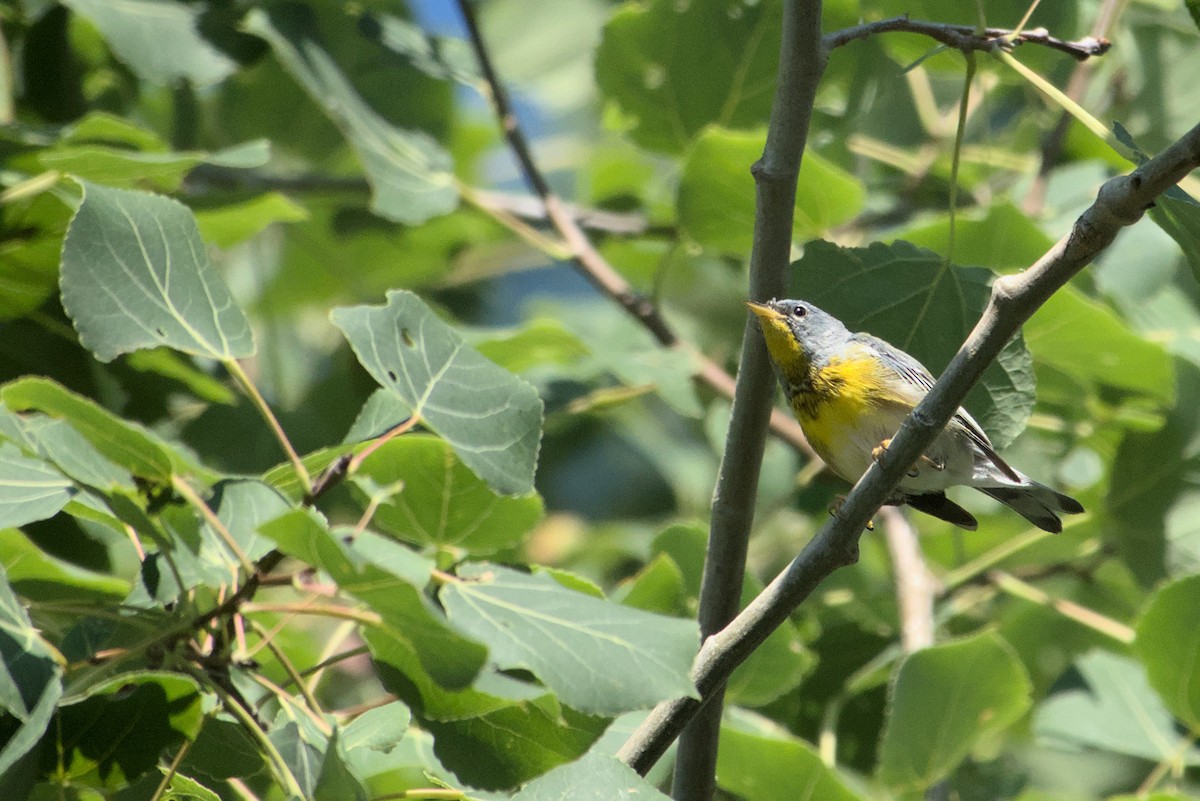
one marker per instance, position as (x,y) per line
(391,375)
(406,337)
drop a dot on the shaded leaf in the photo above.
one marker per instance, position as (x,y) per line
(717,198)
(30,679)
(982,689)
(1107,704)
(230,223)
(492,418)
(158,39)
(596,777)
(135,275)
(597,656)
(441,502)
(920,304)
(674,68)
(1168,644)
(1089,342)
(759,761)
(1002,238)
(409,172)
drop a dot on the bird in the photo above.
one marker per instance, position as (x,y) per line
(851,391)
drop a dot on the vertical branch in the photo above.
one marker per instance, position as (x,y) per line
(916,587)
(801,63)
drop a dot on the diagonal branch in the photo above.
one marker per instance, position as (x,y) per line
(967,38)
(590,263)
(1120,202)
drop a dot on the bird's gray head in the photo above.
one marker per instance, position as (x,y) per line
(798,330)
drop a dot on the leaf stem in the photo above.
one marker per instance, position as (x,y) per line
(322,610)
(193,498)
(1014,586)
(264,409)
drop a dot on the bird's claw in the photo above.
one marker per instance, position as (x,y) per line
(879,450)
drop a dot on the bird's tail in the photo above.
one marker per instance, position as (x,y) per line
(1037,503)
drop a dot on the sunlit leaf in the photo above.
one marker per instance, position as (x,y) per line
(135,275)
(597,656)
(491,417)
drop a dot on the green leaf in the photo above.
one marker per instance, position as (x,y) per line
(30,679)
(441,502)
(31,240)
(597,656)
(674,68)
(119,730)
(980,688)
(596,777)
(1088,342)
(234,222)
(410,174)
(30,489)
(389,579)
(492,418)
(41,577)
(158,39)
(1001,238)
(1107,704)
(759,761)
(122,443)
(917,302)
(135,275)
(1168,643)
(337,782)
(717,197)
(72,453)
(243,505)
(380,729)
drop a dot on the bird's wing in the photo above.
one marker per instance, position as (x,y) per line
(922,380)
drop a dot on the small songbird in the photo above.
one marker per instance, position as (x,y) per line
(851,391)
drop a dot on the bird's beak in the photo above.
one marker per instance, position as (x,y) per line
(765,311)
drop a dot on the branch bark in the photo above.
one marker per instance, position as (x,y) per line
(967,38)
(1121,201)
(801,64)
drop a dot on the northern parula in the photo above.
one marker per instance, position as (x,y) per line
(851,391)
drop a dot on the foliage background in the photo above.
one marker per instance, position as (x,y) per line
(332,152)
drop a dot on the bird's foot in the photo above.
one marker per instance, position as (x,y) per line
(880,449)
(836,507)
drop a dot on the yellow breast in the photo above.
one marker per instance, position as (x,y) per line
(838,401)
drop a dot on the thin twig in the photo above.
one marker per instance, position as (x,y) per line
(1077,84)
(916,586)
(1121,201)
(587,259)
(967,38)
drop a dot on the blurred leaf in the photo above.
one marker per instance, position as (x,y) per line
(149,246)
(917,302)
(41,577)
(443,57)
(491,417)
(410,173)
(542,343)
(158,39)
(596,777)
(1107,704)
(302,750)
(30,680)
(243,505)
(717,197)
(759,761)
(379,729)
(30,489)
(1002,238)
(230,223)
(441,502)
(72,453)
(123,443)
(119,730)
(675,68)
(597,656)
(776,667)
(1168,643)
(31,234)
(657,587)
(1089,342)
(1152,473)
(983,689)
(388,578)
(337,782)
(1178,213)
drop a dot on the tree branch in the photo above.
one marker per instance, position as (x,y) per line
(967,38)
(801,64)
(1120,202)
(590,263)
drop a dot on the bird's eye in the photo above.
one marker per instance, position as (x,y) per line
(799,311)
